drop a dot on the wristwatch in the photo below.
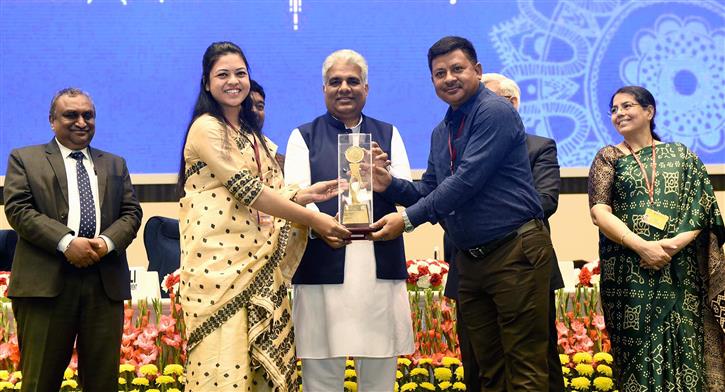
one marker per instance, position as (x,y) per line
(408,227)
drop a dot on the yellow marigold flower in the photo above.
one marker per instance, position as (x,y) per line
(410,386)
(149,370)
(177,390)
(566,382)
(459,386)
(582,357)
(69,383)
(68,373)
(580,383)
(4,375)
(604,383)
(349,363)
(19,385)
(140,381)
(396,387)
(603,357)
(135,390)
(427,386)
(459,373)
(584,369)
(449,361)
(174,369)
(398,374)
(121,381)
(444,386)
(181,379)
(6,384)
(351,386)
(18,375)
(564,359)
(605,370)
(350,373)
(404,361)
(126,367)
(442,374)
(163,380)
(153,390)
(419,371)
(565,370)
(425,361)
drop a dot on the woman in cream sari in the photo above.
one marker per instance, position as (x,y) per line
(239,245)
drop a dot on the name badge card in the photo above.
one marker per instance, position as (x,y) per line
(655,219)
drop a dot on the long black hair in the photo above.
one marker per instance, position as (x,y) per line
(206,104)
(644,98)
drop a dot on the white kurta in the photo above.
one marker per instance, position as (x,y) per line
(364,316)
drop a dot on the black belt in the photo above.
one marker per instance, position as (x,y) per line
(484,250)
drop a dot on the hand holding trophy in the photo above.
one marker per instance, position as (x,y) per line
(355,200)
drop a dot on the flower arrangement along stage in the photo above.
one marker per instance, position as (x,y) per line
(153,348)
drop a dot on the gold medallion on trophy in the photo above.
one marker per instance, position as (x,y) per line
(355,212)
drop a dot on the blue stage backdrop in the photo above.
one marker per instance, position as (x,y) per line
(141,62)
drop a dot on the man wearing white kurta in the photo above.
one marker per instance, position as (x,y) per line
(350,298)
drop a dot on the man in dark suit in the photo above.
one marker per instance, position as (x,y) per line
(545,170)
(75,212)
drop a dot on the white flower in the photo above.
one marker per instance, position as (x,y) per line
(595,279)
(434,268)
(424,282)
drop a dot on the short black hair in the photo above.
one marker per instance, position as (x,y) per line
(71,92)
(255,87)
(447,45)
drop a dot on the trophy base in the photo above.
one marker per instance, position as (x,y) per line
(359,231)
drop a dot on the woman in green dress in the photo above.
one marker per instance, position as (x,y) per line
(663,273)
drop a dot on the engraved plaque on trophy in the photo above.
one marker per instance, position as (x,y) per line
(355,201)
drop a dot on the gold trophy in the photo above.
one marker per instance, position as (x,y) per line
(355,202)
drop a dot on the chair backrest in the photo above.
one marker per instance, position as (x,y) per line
(8,239)
(161,240)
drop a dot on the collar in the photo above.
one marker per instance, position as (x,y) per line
(65,151)
(341,125)
(465,109)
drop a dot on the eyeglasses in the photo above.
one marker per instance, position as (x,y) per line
(625,107)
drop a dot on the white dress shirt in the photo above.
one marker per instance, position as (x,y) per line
(364,316)
(74,200)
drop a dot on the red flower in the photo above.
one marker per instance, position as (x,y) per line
(585,277)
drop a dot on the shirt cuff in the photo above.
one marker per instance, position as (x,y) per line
(109,243)
(393,189)
(64,242)
(416,214)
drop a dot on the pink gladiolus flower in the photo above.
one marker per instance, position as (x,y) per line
(166,324)
(173,341)
(145,359)
(598,322)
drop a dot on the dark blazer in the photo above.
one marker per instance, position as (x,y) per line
(36,205)
(547,180)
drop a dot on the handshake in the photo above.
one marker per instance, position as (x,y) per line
(84,252)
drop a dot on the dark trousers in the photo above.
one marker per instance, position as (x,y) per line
(48,327)
(504,300)
(472,373)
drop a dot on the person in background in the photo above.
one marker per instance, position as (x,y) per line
(256,92)
(239,246)
(350,298)
(75,212)
(660,248)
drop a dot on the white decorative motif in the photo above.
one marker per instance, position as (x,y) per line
(631,317)
(563,61)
